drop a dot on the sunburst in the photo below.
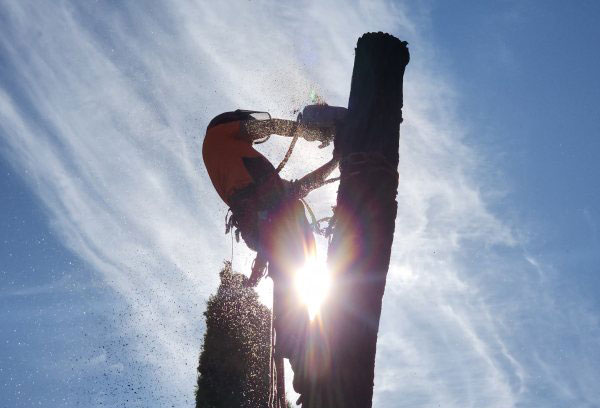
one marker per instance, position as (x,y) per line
(312,283)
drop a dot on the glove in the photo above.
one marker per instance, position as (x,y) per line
(322,115)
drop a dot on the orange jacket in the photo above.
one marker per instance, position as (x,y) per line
(231,161)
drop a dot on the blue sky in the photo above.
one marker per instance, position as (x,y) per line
(111,235)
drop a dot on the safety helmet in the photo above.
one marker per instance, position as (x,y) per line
(238,115)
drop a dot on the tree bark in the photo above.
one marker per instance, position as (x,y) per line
(360,249)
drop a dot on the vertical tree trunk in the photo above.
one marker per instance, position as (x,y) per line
(359,253)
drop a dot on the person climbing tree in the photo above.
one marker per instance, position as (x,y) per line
(266,209)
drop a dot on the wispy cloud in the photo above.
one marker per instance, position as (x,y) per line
(104,107)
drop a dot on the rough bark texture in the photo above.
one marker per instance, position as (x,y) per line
(359,253)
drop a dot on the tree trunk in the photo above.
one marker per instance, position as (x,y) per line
(359,252)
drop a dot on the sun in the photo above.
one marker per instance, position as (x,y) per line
(312,283)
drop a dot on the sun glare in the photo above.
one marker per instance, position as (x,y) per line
(312,283)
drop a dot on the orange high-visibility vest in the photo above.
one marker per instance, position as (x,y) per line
(231,161)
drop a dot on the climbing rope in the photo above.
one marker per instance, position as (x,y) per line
(315,223)
(276,373)
(272,368)
(290,149)
(360,163)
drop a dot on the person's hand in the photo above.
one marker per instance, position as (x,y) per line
(327,134)
(321,115)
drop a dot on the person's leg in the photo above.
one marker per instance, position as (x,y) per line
(290,242)
(289,317)
(314,179)
(290,320)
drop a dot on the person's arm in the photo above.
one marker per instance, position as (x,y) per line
(259,129)
(315,179)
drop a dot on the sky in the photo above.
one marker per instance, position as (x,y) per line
(112,237)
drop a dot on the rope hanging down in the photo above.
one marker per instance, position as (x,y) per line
(277,397)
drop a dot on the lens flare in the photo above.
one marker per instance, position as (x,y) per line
(312,283)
